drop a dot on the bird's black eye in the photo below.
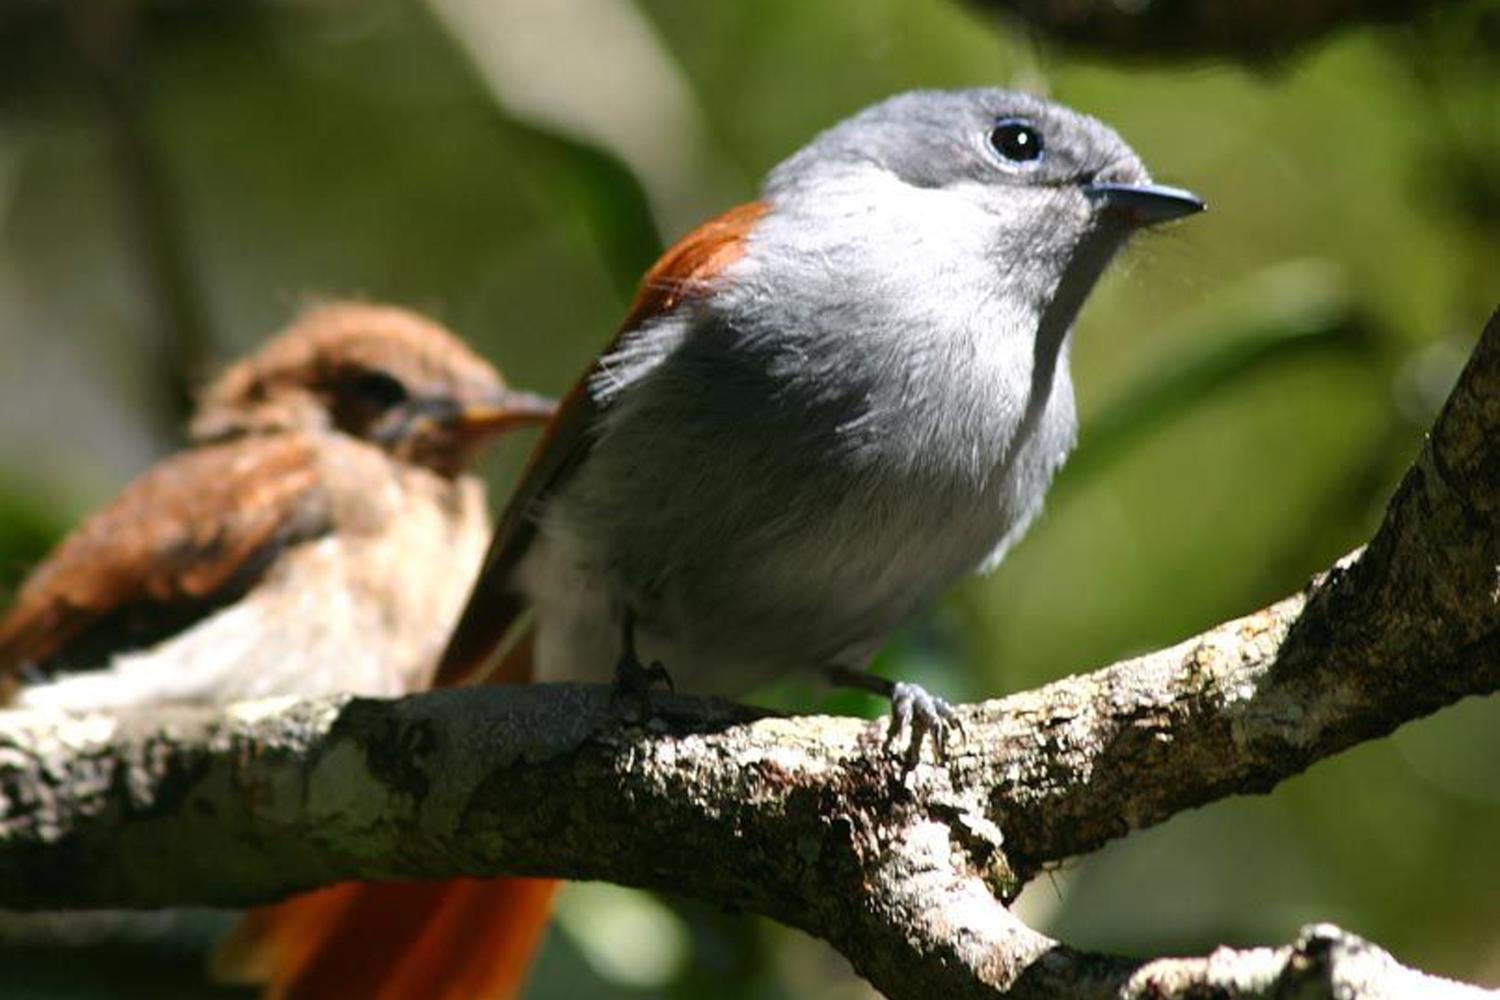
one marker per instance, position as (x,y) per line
(378,390)
(1017,140)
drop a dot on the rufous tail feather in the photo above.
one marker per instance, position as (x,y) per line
(393,940)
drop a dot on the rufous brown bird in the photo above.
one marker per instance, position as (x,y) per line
(318,535)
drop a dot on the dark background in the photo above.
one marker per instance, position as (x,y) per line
(178,179)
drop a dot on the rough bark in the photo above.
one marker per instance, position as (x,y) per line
(807,820)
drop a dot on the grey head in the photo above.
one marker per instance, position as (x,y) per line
(990,140)
(1049,186)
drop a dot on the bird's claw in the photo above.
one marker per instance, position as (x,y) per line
(634,681)
(918,714)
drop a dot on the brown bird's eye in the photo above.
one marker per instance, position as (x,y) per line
(1017,140)
(378,390)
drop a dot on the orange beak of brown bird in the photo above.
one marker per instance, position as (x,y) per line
(510,410)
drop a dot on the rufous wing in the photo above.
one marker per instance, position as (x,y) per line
(191,534)
(686,271)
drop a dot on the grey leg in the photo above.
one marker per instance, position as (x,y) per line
(914,712)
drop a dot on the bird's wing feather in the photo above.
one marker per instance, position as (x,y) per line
(189,535)
(685,271)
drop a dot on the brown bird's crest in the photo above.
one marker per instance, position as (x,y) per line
(327,347)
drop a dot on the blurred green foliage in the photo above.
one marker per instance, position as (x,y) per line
(28,531)
(1252,383)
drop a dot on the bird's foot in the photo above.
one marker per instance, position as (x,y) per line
(634,682)
(915,714)
(633,679)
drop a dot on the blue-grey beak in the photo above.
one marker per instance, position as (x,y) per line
(1144,204)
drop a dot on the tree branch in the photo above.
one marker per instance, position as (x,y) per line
(807,820)
(1202,29)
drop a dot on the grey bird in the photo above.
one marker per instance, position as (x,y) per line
(825,407)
